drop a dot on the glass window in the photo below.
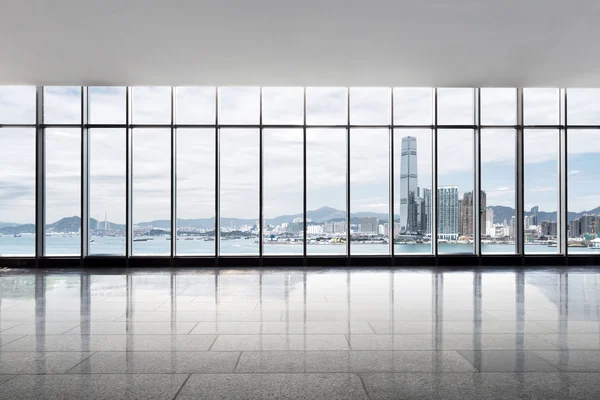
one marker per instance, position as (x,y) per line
(455,106)
(540,107)
(370,106)
(62,105)
(283,105)
(412,191)
(151,105)
(107,191)
(239,105)
(455,205)
(107,105)
(583,107)
(17,191)
(283,191)
(326,106)
(412,106)
(17,104)
(326,191)
(369,191)
(151,191)
(195,105)
(498,190)
(541,190)
(196,191)
(239,171)
(63,191)
(498,106)
(584,189)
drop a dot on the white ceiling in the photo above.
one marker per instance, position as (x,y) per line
(305,43)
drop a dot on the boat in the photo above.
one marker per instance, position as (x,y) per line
(140,239)
(17,235)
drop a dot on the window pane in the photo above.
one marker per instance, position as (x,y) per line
(412,187)
(283,191)
(63,191)
(498,189)
(107,105)
(151,105)
(283,105)
(62,105)
(195,105)
(412,106)
(541,190)
(326,191)
(584,190)
(326,106)
(17,191)
(151,191)
(239,105)
(455,106)
(498,106)
(17,104)
(239,164)
(540,107)
(107,191)
(583,107)
(196,191)
(370,106)
(369,191)
(455,191)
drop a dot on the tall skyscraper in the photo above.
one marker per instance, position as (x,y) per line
(447,217)
(466,213)
(533,220)
(427,210)
(408,186)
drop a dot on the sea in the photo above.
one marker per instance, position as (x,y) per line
(70,245)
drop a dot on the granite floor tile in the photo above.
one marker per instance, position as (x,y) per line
(573,360)
(92,387)
(574,341)
(280,342)
(48,328)
(39,362)
(142,362)
(572,326)
(5,339)
(5,378)
(132,328)
(352,361)
(281,328)
(480,386)
(211,307)
(273,386)
(4,324)
(507,361)
(111,343)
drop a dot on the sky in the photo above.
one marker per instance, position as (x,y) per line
(282,148)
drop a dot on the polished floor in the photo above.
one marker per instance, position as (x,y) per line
(300,334)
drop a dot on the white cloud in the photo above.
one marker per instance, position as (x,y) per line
(574,172)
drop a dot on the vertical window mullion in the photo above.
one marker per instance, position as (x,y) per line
(85,174)
(348,215)
(128,174)
(217,177)
(40,171)
(562,216)
(260,176)
(519,229)
(390,228)
(477,175)
(434,169)
(304,240)
(173,177)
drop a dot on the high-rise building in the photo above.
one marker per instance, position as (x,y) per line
(369,225)
(489,222)
(511,227)
(533,219)
(447,215)
(427,210)
(408,186)
(466,213)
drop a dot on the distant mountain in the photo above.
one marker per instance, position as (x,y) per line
(502,213)
(7,224)
(11,230)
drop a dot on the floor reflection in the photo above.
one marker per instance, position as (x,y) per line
(302,321)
